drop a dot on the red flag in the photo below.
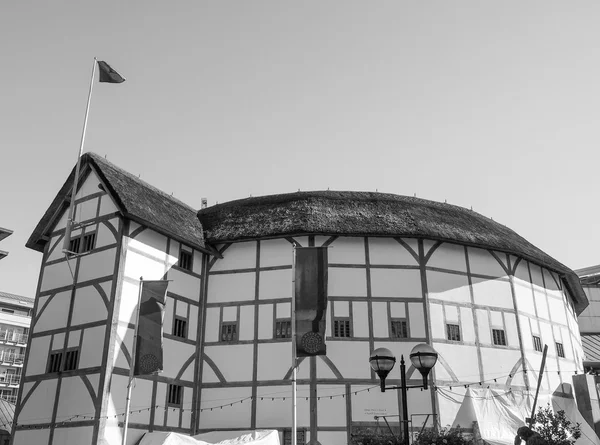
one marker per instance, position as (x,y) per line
(107,74)
(311,300)
(149,351)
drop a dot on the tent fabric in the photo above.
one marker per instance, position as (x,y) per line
(259,437)
(499,414)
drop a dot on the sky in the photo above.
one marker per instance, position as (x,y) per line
(489,105)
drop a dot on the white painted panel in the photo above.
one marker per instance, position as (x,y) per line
(438,328)
(237,256)
(366,404)
(275,252)
(397,310)
(536,277)
(141,394)
(347,282)
(541,305)
(499,362)
(38,355)
(493,293)
(211,329)
(328,324)
(74,337)
(524,297)
(350,365)
(104,236)
(324,371)
(547,337)
(88,306)
(57,252)
(557,310)
(275,284)
(449,256)
(526,334)
(228,359)
(360,318)
(461,359)
(197,262)
(341,308)
(417,320)
(58,341)
(184,284)
(467,324)
(74,399)
(230,313)
(85,211)
(175,354)
(107,205)
(55,314)
(273,414)
(483,263)
(97,265)
(402,283)
(247,322)
(566,339)
(389,251)
(161,400)
(512,335)
(39,404)
(333,437)
(483,324)
(496,319)
(28,437)
(522,272)
(448,287)
(274,360)
(92,347)
(174,247)
(181,309)
(168,318)
(193,323)
(137,266)
(284,310)
(236,416)
(235,287)
(346,250)
(451,313)
(331,407)
(173,418)
(380,320)
(265,321)
(89,186)
(55,276)
(154,242)
(73,435)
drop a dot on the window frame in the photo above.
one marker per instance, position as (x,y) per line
(448,325)
(84,248)
(58,365)
(236,333)
(188,253)
(539,342)
(280,321)
(501,336)
(66,356)
(287,436)
(560,349)
(183,320)
(342,320)
(399,320)
(178,393)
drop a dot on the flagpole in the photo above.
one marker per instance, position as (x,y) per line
(132,364)
(78,166)
(294,359)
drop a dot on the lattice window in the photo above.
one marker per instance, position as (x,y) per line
(71,360)
(399,328)
(341,328)
(75,244)
(180,327)
(229,331)
(283,329)
(453,332)
(537,343)
(54,362)
(300,437)
(499,337)
(185,260)
(175,395)
(560,351)
(89,242)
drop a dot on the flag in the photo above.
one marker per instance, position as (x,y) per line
(311,300)
(149,351)
(107,74)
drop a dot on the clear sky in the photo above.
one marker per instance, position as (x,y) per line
(493,105)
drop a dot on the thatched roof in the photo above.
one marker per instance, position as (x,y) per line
(374,214)
(136,199)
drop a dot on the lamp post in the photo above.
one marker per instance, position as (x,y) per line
(423,358)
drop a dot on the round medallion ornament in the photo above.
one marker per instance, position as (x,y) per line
(149,363)
(312,342)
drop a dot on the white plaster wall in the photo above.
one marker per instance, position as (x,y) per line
(236,416)
(493,293)
(237,256)
(88,304)
(40,404)
(360,319)
(175,354)
(246,322)
(29,437)
(141,396)
(56,276)
(483,262)
(276,413)
(276,252)
(56,250)
(275,284)
(347,282)
(461,359)
(449,256)
(438,328)
(107,205)
(541,304)
(331,408)
(92,347)
(94,265)
(88,186)
(380,320)
(448,287)
(184,284)
(86,210)
(265,321)
(38,354)
(483,326)
(388,251)
(138,265)
(104,236)
(274,360)
(55,313)
(355,365)
(467,324)
(510,328)
(524,296)
(233,287)
(498,362)
(366,404)
(347,250)
(400,283)
(151,242)
(79,435)
(74,399)
(417,320)
(228,358)
(211,328)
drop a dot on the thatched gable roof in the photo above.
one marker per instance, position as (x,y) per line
(374,214)
(136,199)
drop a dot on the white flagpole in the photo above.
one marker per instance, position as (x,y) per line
(132,365)
(77,168)
(294,359)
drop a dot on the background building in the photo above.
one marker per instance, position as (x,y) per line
(402,271)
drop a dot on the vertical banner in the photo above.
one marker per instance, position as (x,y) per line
(149,348)
(311,300)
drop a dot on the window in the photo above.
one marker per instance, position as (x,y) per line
(537,343)
(499,337)
(174,395)
(74,244)
(300,437)
(283,329)
(54,362)
(71,360)
(89,242)
(341,328)
(185,260)
(399,328)
(180,327)
(453,331)
(229,331)
(560,350)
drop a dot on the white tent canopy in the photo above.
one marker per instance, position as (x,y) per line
(258,437)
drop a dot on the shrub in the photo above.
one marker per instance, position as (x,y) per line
(555,428)
(445,436)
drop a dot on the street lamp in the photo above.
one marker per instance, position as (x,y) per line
(423,357)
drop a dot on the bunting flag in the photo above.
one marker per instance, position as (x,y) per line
(149,348)
(311,300)
(107,74)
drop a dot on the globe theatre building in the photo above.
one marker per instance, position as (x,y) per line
(402,271)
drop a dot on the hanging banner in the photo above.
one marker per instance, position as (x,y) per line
(311,300)
(149,348)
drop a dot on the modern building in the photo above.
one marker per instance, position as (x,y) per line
(4,233)
(589,319)
(402,271)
